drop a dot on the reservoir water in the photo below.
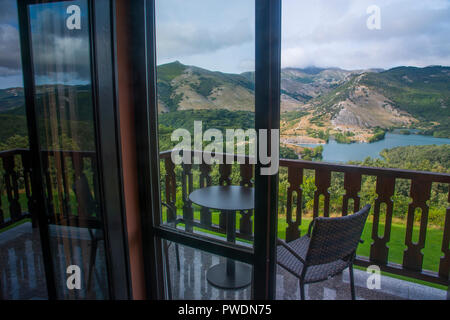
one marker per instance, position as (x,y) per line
(335,152)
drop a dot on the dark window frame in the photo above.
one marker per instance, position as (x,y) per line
(267,111)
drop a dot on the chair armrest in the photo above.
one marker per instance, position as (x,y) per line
(291,251)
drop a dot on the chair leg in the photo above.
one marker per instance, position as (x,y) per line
(352,282)
(92,262)
(177,253)
(302,290)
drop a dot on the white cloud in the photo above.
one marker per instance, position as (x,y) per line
(9,50)
(216,35)
(324,33)
(180,39)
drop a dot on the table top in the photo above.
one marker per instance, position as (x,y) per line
(230,198)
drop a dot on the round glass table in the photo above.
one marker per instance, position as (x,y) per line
(228,199)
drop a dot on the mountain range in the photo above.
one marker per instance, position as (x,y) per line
(316,103)
(319,102)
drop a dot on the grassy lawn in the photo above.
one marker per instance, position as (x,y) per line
(14,225)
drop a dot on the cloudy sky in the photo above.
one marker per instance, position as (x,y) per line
(219,35)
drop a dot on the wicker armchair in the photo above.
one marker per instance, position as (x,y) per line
(327,250)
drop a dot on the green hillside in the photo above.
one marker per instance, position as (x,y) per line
(424,158)
(422,92)
(11,98)
(11,125)
(189,87)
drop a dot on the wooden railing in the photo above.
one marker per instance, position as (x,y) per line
(385,181)
(420,191)
(14,182)
(186,184)
(60,169)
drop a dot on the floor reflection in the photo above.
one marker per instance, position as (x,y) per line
(22,273)
(22,268)
(190,283)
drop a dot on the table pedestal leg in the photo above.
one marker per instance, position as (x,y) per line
(232,274)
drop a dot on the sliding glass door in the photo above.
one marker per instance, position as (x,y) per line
(211,157)
(70,112)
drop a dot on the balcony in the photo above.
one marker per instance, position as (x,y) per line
(399,247)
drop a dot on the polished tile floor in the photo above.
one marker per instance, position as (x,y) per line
(22,268)
(189,283)
(22,273)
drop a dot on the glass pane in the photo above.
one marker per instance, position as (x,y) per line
(65,116)
(205,75)
(188,280)
(367,83)
(205,52)
(21,264)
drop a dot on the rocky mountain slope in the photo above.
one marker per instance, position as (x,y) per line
(364,103)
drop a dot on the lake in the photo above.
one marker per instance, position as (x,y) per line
(335,152)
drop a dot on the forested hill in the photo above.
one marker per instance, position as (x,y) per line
(422,158)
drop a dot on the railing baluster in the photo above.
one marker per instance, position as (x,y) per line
(28,191)
(58,172)
(65,185)
(224,180)
(95,180)
(413,256)
(48,186)
(12,187)
(245,222)
(295,179)
(205,181)
(225,174)
(171,188)
(188,187)
(444,266)
(246,171)
(323,183)
(385,190)
(78,167)
(352,186)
